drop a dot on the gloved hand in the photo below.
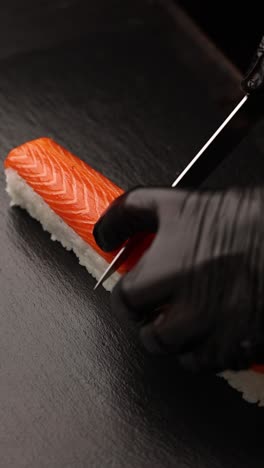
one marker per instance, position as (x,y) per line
(197,291)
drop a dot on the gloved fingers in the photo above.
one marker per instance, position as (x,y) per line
(133,212)
(226,347)
(177,330)
(202,359)
(148,286)
(142,291)
(123,309)
(254,78)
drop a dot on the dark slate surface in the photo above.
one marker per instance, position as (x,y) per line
(76,389)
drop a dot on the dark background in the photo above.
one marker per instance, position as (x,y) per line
(235,27)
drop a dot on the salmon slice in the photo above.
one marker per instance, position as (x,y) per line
(76,192)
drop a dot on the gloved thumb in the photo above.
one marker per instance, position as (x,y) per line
(133,212)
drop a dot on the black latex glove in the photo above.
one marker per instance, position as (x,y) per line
(254,79)
(198,290)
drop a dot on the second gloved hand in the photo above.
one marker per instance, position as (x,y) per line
(198,290)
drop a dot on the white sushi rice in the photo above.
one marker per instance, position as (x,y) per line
(248,382)
(24,196)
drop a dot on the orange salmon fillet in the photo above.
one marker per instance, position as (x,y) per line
(73,190)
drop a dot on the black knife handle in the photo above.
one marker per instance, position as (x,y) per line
(254,78)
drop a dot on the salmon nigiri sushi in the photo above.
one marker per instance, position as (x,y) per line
(67,197)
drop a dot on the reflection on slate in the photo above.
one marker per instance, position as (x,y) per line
(76,389)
